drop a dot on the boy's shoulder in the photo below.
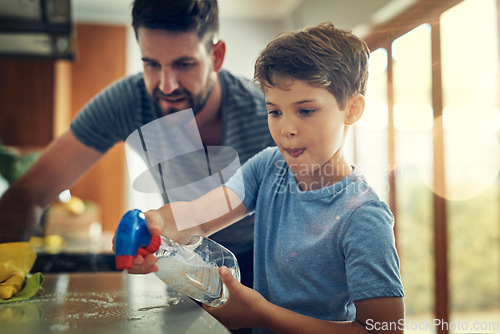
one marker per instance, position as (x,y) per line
(358,186)
(266,162)
(360,195)
(269,155)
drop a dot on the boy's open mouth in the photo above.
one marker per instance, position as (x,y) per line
(295,152)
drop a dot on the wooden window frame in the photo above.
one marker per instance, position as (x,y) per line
(382,36)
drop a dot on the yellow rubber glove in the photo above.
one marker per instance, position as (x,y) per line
(16,261)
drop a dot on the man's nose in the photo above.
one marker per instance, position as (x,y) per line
(168,81)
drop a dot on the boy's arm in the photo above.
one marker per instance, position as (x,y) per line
(378,315)
(247,308)
(381,315)
(194,214)
(203,216)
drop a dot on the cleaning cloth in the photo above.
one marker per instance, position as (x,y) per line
(16,261)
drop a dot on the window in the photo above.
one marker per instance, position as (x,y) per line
(434,72)
(471,125)
(371,130)
(413,121)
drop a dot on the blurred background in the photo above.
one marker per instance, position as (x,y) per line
(428,141)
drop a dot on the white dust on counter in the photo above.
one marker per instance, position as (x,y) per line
(94,306)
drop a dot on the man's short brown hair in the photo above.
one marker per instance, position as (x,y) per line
(200,16)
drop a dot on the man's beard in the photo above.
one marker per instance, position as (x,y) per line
(197,103)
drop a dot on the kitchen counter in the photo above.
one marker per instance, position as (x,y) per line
(107,302)
(81,255)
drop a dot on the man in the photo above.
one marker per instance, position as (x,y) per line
(182,60)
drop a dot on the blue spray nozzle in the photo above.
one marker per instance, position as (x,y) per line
(132,238)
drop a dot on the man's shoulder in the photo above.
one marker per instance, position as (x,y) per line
(237,86)
(227,76)
(133,81)
(122,91)
(123,94)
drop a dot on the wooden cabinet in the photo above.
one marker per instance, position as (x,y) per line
(26,102)
(38,100)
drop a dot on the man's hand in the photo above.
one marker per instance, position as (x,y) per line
(242,309)
(16,260)
(22,204)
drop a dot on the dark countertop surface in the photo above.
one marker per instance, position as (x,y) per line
(106,302)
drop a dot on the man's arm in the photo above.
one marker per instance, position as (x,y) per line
(63,162)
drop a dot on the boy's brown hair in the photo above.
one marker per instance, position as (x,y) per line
(323,56)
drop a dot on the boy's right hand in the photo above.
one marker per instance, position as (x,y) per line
(144,265)
(159,222)
(147,264)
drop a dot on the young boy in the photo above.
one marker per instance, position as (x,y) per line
(325,259)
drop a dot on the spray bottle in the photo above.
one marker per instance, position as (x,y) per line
(191,268)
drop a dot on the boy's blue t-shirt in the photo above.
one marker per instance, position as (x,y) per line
(316,252)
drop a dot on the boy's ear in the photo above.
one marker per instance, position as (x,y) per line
(218,52)
(355,107)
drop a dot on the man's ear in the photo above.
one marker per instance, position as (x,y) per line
(218,52)
(355,107)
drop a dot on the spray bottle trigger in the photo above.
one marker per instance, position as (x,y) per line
(124,262)
(153,246)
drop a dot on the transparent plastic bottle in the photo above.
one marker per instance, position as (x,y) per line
(193,268)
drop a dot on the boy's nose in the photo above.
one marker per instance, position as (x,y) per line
(289,128)
(168,81)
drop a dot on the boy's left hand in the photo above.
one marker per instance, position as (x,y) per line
(243,307)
